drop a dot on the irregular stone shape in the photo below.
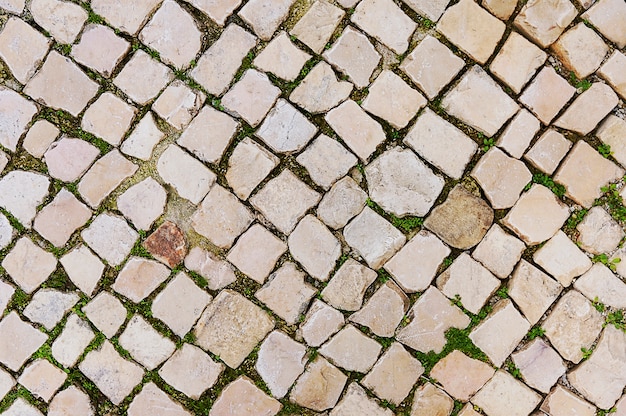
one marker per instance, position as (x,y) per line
(139,278)
(57,221)
(21,192)
(70,401)
(580,50)
(143,203)
(320,90)
(601,284)
(110,237)
(178,104)
(143,77)
(6,232)
(48,306)
(519,133)
(499,251)
(109,118)
(375,239)
(358,130)
(610,132)
(145,344)
(479,101)
(242,397)
(544,20)
(39,137)
(605,16)
(71,343)
(613,72)
(231,326)
(83,268)
(255,13)
(42,378)
(257,252)
(22,48)
(112,374)
(588,109)
(216,271)
(191,178)
(416,264)
(431,65)
(583,185)
(548,151)
(619,267)
(426,331)
(152,400)
(251,97)
(468,279)
(282,58)
(321,321)
(106,312)
(180,304)
(285,129)
(100,49)
(548,93)
(166,28)
(62,19)
(621,407)
(218,11)
(598,232)
(13,6)
(540,365)
(432,137)
(357,402)
(561,402)
(462,220)
(384,311)
(532,229)
(6,293)
(353,55)
(504,395)
(319,387)
(14,354)
(432,9)
(533,291)
(346,289)
(21,407)
(281,360)
(344,200)
(501,9)
(517,61)
(472,29)
(326,160)
(430,400)
(61,84)
(141,141)
(560,257)
(314,247)
(216,68)
(167,244)
(385,21)
(460,375)
(351,350)
(28,264)
(222,128)
(601,378)
(286,293)
(68,159)
(468,410)
(221,217)
(502,178)
(191,371)
(248,165)
(573,324)
(316,27)
(104,176)
(394,375)
(129,20)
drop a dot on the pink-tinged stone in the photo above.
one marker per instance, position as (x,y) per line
(222,128)
(256,252)
(540,365)
(607,16)
(316,27)
(611,132)
(314,247)
(216,271)
(248,165)
(319,387)
(143,77)
(152,400)
(83,268)
(320,90)
(356,401)
(22,48)
(100,49)
(503,395)
(191,371)
(141,141)
(178,104)
(243,398)
(108,118)
(42,378)
(14,354)
(321,321)
(430,400)
(547,94)
(110,237)
(217,10)
(351,350)
(139,278)
(147,346)
(71,343)
(499,251)
(189,177)
(562,402)
(106,312)
(548,151)
(127,19)
(143,203)
(15,113)
(385,21)
(282,58)
(460,375)
(614,72)
(167,244)
(384,311)
(13,6)
(598,232)
(39,137)
(104,176)
(21,193)
(601,284)
(580,50)
(71,401)
(533,291)
(562,258)
(28,264)
(68,159)
(57,221)
(346,289)
(264,23)
(517,61)
(286,130)
(519,133)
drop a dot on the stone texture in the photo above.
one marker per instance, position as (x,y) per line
(385,21)
(383,311)
(70,344)
(282,58)
(104,177)
(28,264)
(16,113)
(264,16)
(598,232)
(517,61)
(319,387)
(218,11)
(48,306)
(139,278)
(216,271)
(178,104)
(110,237)
(42,378)
(499,251)
(13,6)
(326,160)
(519,133)
(560,257)
(601,284)
(191,371)
(143,77)
(580,50)
(321,321)
(281,360)
(344,200)
(142,140)
(430,400)
(504,395)
(83,268)
(256,252)
(6,383)
(562,402)
(248,165)
(100,49)
(191,178)
(314,247)
(462,220)
(222,127)
(57,221)
(613,72)
(548,93)
(610,132)
(356,402)
(106,312)
(286,130)
(606,16)
(588,109)
(502,9)
(109,117)
(145,344)
(167,244)
(432,9)
(315,28)
(62,19)
(13,354)
(539,365)
(460,375)
(152,400)
(129,20)
(346,289)
(320,90)
(21,407)
(22,48)
(68,159)
(6,293)
(70,401)
(39,137)
(251,97)
(533,291)
(548,151)
(21,192)
(143,203)
(544,20)
(242,397)
(351,350)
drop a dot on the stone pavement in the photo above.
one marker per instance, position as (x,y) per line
(298,207)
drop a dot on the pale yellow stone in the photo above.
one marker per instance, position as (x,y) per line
(460,375)
(544,20)
(580,50)
(608,17)
(503,395)
(517,61)
(588,109)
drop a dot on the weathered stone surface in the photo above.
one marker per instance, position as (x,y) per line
(110,237)
(13,6)
(143,203)
(346,289)
(613,72)
(21,192)
(21,407)
(39,137)
(462,220)
(321,321)
(152,400)
(145,344)
(314,247)
(281,360)
(285,129)
(502,9)
(320,90)
(167,244)
(218,11)
(139,278)
(468,410)
(104,176)
(460,375)
(385,21)
(548,151)
(351,350)
(499,251)
(249,164)
(22,48)
(242,397)
(191,371)
(548,92)
(319,387)
(601,284)
(143,77)
(100,49)
(357,402)
(14,354)
(533,291)
(539,364)
(562,402)
(621,407)
(251,97)
(326,160)
(580,50)
(6,293)
(109,118)
(62,19)
(68,159)
(264,16)
(83,268)
(282,58)
(71,401)
(517,61)
(48,306)
(384,311)
(70,344)
(562,258)
(58,220)
(28,264)
(544,20)
(611,132)
(504,395)
(216,271)
(6,233)
(519,133)
(42,378)
(344,200)
(106,312)
(430,400)
(178,104)
(426,331)
(130,20)
(315,28)
(142,140)
(598,232)
(605,16)
(257,252)
(588,109)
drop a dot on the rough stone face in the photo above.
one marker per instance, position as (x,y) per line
(600,283)
(613,72)
(519,133)
(383,311)
(83,268)
(319,387)
(344,200)
(610,132)
(314,247)
(142,78)
(605,15)
(249,164)
(42,378)
(106,312)
(242,397)
(16,113)
(68,159)
(316,27)
(167,244)
(504,395)
(222,127)
(6,293)
(562,402)
(22,407)
(251,97)
(462,220)
(517,61)
(218,11)
(533,291)
(58,220)
(321,321)
(110,237)
(264,16)
(218,272)
(540,365)
(100,49)
(13,6)
(544,20)
(13,354)
(599,232)
(426,331)
(346,289)
(501,9)
(178,104)
(28,264)
(22,48)
(143,203)
(257,252)
(125,19)
(285,129)
(548,151)
(580,50)
(21,192)
(548,93)
(562,259)
(357,402)
(588,109)
(282,58)
(104,176)
(281,360)
(109,117)
(70,401)
(70,344)
(351,350)
(39,137)
(191,371)
(48,306)
(430,400)
(139,278)
(385,21)
(63,20)
(320,90)
(152,400)
(145,344)
(460,375)
(499,251)
(142,140)
(326,160)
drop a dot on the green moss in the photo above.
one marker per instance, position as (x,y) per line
(543,179)
(581,84)
(457,339)
(535,332)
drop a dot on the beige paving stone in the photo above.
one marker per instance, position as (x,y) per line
(346,289)
(606,16)
(108,118)
(286,130)
(462,220)
(621,407)
(68,159)
(70,401)
(256,252)
(16,113)
(129,20)
(216,68)
(583,185)
(601,378)
(143,77)
(57,221)
(13,6)
(385,21)
(218,11)
(431,65)
(39,137)
(167,27)
(383,311)
(468,279)
(539,365)
(432,9)
(600,283)
(460,375)
(248,165)
(344,200)
(598,232)
(251,97)
(393,376)
(143,203)
(620,268)
(517,61)
(4,160)
(62,19)
(610,132)
(28,264)
(106,174)
(216,271)
(281,360)
(321,321)
(112,374)
(48,306)
(430,400)
(588,109)
(145,344)
(314,247)
(320,90)
(264,16)
(351,350)
(613,71)
(71,343)
(426,331)
(504,395)
(231,326)
(222,127)
(83,268)
(106,312)
(468,410)
(478,101)
(242,397)
(167,244)
(544,20)
(22,48)
(533,291)
(6,233)
(286,293)
(548,151)
(580,50)
(499,251)
(501,9)
(139,278)
(21,407)
(560,257)
(573,324)
(42,379)
(190,177)
(317,25)
(152,400)
(519,133)
(178,104)
(141,141)
(6,293)
(562,402)
(100,49)
(356,128)
(326,160)
(14,354)
(353,55)
(191,371)
(547,94)
(356,402)
(282,58)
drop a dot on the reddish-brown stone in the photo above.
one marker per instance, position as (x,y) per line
(167,244)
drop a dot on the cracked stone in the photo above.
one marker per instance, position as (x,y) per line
(320,90)
(533,291)
(499,251)
(346,289)
(280,362)
(321,321)
(547,94)
(285,129)
(39,138)
(351,350)
(48,306)
(544,20)
(517,61)
(145,344)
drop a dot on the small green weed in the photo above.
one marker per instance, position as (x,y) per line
(535,332)
(488,143)
(513,370)
(543,179)
(600,307)
(581,84)
(448,261)
(606,412)
(605,150)
(617,319)
(586,352)
(427,23)
(604,259)
(503,292)
(407,224)
(613,201)
(576,217)
(458,339)
(94,18)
